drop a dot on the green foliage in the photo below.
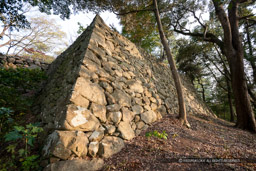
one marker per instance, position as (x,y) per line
(157,134)
(142,30)
(17,86)
(81,28)
(17,89)
(12,13)
(6,119)
(22,156)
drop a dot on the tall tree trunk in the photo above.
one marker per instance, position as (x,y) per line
(182,108)
(231,110)
(245,115)
(234,52)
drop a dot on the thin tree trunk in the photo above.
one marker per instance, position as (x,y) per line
(182,108)
(251,59)
(203,91)
(226,74)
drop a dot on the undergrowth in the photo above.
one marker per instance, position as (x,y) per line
(18,133)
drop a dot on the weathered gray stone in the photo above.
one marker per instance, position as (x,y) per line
(147,107)
(96,136)
(137,101)
(63,143)
(79,100)
(110,98)
(110,129)
(107,87)
(115,117)
(91,91)
(76,165)
(153,106)
(140,125)
(93,148)
(91,55)
(33,66)
(80,118)
(113,108)
(169,102)
(137,109)
(137,132)
(137,118)
(149,116)
(135,86)
(126,130)
(92,66)
(162,110)
(138,95)
(11,60)
(110,145)
(147,93)
(133,125)
(127,75)
(122,98)
(85,73)
(118,73)
(145,127)
(99,111)
(127,115)
(146,100)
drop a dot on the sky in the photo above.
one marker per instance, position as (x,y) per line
(70,26)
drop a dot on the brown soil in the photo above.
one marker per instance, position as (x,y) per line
(210,138)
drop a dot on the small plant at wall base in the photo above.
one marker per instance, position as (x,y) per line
(19,155)
(157,134)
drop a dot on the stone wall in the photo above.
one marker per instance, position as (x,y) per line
(101,91)
(24,62)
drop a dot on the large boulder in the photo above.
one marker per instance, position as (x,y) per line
(122,98)
(127,115)
(79,118)
(149,116)
(99,111)
(135,86)
(90,91)
(110,145)
(62,144)
(126,130)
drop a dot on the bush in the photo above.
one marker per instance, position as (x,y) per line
(17,134)
(17,87)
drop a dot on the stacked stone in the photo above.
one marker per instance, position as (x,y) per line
(100,92)
(17,61)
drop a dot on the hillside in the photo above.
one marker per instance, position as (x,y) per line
(209,138)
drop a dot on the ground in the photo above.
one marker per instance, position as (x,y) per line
(208,137)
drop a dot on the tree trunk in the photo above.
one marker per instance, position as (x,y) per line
(231,110)
(176,78)
(203,91)
(245,115)
(234,51)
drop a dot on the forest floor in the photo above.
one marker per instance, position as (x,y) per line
(210,144)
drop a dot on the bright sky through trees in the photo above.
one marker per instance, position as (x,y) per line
(70,26)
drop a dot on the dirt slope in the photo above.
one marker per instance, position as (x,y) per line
(208,137)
